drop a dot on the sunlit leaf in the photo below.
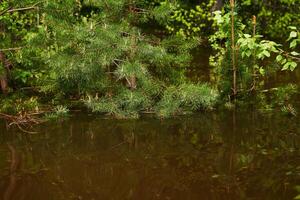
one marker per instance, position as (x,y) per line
(293,34)
(293,44)
(294,53)
(279,58)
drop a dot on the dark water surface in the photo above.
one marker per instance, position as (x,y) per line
(206,156)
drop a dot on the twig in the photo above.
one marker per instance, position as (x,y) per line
(21,9)
(34,6)
(287,55)
(24,120)
(29,132)
(11,49)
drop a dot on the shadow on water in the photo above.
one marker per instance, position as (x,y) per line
(205,156)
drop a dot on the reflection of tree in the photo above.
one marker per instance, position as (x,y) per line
(199,157)
(14,165)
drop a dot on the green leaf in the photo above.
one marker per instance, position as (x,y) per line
(248,53)
(286,66)
(293,44)
(293,27)
(293,66)
(283,61)
(247,36)
(297,197)
(294,53)
(261,71)
(266,53)
(293,34)
(279,58)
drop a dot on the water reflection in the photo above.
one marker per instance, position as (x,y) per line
(208,156)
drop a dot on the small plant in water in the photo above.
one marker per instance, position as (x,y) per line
(59,112)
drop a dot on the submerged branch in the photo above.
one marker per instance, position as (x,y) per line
(23,121)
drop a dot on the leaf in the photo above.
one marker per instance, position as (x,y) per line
(293,44)
(293,27)
(266,53)
(261,71)
(247,36)
(279,58)
(293,66)
(297,197)
(248,53)
(283,61)
(293,34)
(286,66)
(294,53)
(256,67)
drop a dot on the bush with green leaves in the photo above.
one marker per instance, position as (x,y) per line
(252,54)
(19,104)
(17,19)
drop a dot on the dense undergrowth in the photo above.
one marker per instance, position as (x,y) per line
(127,57)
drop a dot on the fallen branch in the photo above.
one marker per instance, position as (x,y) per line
(23,121)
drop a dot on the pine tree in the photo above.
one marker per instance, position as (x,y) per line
(104,50)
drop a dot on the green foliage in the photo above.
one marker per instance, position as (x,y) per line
(117,52)
(284,94)
(126,103)
(280,98)
(253,54)
(107,55)
(290,59)
(274,17)
(221,60)
(19,104)
(186,98)
(181,99)
(183,19)
(59,112)
(17,19)
(15,24)
(93,54)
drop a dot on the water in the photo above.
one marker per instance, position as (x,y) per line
(229,155)
(213,156)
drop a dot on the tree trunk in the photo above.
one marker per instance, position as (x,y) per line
(6,64)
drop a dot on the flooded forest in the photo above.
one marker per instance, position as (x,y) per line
(149,99)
